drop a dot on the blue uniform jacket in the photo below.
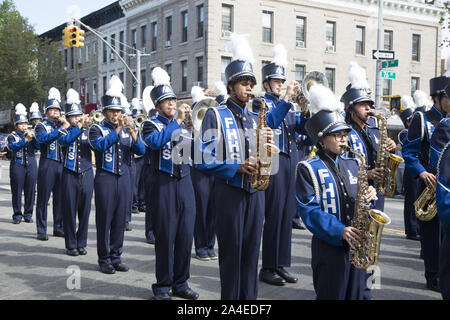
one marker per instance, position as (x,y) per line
(166,142)
(47,134)
(22,151)
(365,141)
(439,138)
(324,205)
(443,187)
(113,151)
(416,145)
(76,149)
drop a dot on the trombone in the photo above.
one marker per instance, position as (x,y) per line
(301,96)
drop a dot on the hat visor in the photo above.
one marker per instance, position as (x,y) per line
(74,113)
(338,127)
(363,99)
(242,74)
(113,107)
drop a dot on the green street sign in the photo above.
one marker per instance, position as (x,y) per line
(389,64)
(388,75)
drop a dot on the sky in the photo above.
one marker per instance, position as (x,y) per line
(45,15)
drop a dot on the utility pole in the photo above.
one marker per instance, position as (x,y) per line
(138,55)
(379,62)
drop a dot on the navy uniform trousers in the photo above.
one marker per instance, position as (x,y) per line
(173,218)
(49,181)
(204,233)
(239,222)
(444,264)
(148,181)
(23,178)
(411,186)
(131,190)
(77,198)
(138,187)
(112,202)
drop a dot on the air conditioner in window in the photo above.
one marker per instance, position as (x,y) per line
(168,44)
(198,83)
(300,44)
(330,48)
(80,61)
(226,33)
(113,56)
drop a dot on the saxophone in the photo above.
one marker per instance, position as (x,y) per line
(425,205)
(264,152)
(387,161)
(369,222)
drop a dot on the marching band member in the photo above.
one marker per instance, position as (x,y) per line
(416,152)
(172,197)
(228,130)
(204,235)
(280,195)
(35,114)
(410,184)
(50,166)
(114,143)
(423,104)
(138,183)
(364,138)
(326,188)
(23,166)
(77,177)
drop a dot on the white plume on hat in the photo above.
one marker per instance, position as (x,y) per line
(357,76)
(73,97)
(447,66)
(197,94)
(280,55)
(54,94)
(341,107)
(124,101)
(219,88)
(21,109)
(241,48)
(421,99)
(322,98)
(160,77)
(34,107)
(136,103)
(408,102)
(115,87)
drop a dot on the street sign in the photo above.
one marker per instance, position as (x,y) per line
(387,75)
(383,55)
(389,64)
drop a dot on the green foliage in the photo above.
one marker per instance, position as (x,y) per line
(29,66)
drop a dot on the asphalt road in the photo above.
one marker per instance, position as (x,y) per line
(36,270)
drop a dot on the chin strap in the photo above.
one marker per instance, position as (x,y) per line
(236,97)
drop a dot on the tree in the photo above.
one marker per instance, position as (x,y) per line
(27,63)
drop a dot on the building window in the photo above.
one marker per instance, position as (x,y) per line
(94,91)
(300,32)
(105,85)
(94,48)
(329,74)
(134,87)
(143,36)
(154,36)
(169,31)
(388,39)
(387,88)
(143,79)
(330,40)
(80,55)
(113,45)
(87,53)
(360,39)
(200,20)
(227,20)
(184,76)
(299,73)
(134,38)
(121,77)
(169,69)
(267,24)
(200,69)
(87,90)
(66,57)
(225,61)
(121,43)
(415,84)
(71,57)
(184,28)
(416,47)
(105,50)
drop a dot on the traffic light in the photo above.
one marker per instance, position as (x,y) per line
(73,35)
(395,103)
(66,37)
(79,39)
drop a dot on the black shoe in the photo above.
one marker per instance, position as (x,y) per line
(269,276)
(120,267)
(413,237)
(297,225)
(42,236)
(28,220)
(16,221)
(141,209)
(286,275)
(434,285)
(58,234)
(421,254)
(187,294)
(82,251)
(202,257)
(151,238)
(72,252)
(213,256)
(134,210)
(162,296)
(107,268)
(127,226)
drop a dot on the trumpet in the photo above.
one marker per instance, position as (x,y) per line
(301,96)
(29,131)
(96,117)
